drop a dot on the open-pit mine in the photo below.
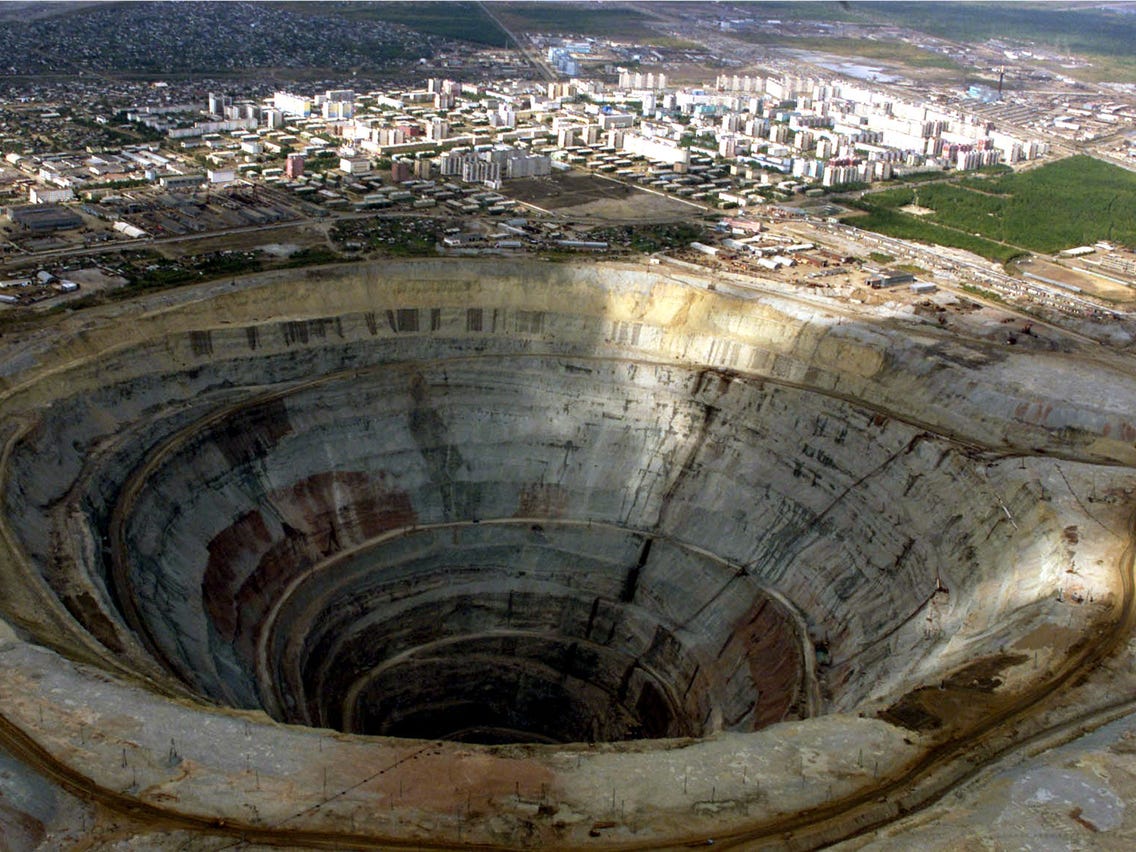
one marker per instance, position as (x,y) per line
(527,554)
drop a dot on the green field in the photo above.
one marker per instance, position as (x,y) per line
(880,51)
(1068,203)
(579,18)
(1102,34)
(1082,28)
(1067,27)
(464,21)
(905,227)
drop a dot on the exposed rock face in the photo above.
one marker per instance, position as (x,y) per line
(535,503)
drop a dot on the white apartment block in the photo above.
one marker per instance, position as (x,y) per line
(292,105)
(355,165)
(662,150)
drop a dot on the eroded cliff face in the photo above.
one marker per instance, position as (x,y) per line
(529,502)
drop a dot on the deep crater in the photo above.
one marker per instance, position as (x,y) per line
(478,549)
(542,509)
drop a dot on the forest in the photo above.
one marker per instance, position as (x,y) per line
(1071,202)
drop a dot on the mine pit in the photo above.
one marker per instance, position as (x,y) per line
(585,507)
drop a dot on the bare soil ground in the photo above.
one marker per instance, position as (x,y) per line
(93,279)
(1091,284)
(299,234)
(916,210)
(583,196)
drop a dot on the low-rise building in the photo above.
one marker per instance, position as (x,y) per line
(44,218)
(47,195)
(355,165)
(190,181)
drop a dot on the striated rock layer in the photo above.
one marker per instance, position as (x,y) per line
(529,502)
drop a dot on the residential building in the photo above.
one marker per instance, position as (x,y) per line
(294,166)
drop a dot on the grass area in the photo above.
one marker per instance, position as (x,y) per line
(228,263)
(464,21)
(1064,27)
(149,271)
(989,295)
(1067,203)
(922,177)
(885,220)
(1068,27)
(583,19)
(794,10)
(649,238)
(156,278)
(390,235)
(170,273)
(880,257)
(1102,69)
(313,256)
(880,51)
(1103,35)
(671,42)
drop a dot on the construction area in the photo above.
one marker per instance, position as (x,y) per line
(524,554)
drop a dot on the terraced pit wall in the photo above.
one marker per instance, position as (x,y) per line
(532,502)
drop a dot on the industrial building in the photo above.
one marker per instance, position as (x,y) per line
(44,218)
